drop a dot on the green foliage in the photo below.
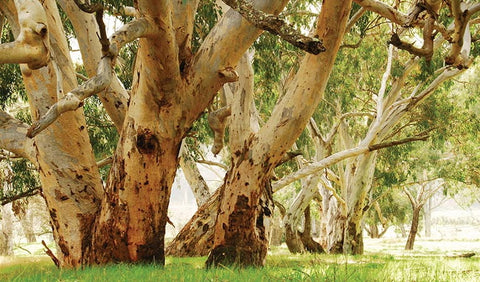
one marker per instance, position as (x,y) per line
(126,63)
(11,83)
(103,134)
(208,13)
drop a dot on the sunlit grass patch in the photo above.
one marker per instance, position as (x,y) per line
(281,267)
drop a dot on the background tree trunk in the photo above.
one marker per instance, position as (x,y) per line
(413,228)
(6,233)
(428,217)
(306,236)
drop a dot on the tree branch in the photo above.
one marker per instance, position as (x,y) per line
(32,44)
(398,142)
(28,193)
(97,9)
(276,26)
(335,158)
(213,163)
(13,137)
(384,10)
(105,162)
(217,121)
(115,97)
(74,99)
(461,34)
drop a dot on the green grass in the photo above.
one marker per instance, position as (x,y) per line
(282,267)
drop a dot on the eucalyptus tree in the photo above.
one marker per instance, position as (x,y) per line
(396,96)
(172,85)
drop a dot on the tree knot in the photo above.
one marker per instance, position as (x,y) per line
(147,142)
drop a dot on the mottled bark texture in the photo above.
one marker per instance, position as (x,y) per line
(239,230)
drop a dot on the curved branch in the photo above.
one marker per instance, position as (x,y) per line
(74,99)
(32,44)
(384,10)
(28,193)
(335,158)
(13,137)
(276,26)
(115,97)
(97,9)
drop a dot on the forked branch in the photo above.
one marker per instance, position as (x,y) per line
(74,99)
(337,157)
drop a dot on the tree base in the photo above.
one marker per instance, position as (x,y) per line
(237,256)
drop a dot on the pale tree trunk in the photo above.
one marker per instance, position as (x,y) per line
(294,238)
(6,233)
(24,214)
(372,229)
(196,237)
(428,217)
(403,230)
(358,188)
(239,230)
(27,225)
(192,175)
(68,173)
(333,223)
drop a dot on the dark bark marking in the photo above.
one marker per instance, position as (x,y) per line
(60,196)
(118,104)
(147,142)
(62,244)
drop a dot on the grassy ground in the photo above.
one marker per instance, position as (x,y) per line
(281,266)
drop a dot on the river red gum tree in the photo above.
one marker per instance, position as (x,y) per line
(125,221)
(240,226)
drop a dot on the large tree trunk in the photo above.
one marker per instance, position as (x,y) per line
(162,107)
(68,172)
(413,228)
(239,230)
(333,223)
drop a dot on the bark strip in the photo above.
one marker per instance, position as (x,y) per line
(277,26)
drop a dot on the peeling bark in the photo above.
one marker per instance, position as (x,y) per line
(238,241)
